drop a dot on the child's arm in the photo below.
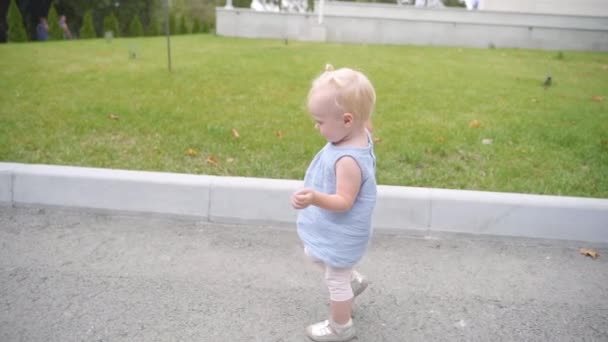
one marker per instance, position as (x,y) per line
(348,183)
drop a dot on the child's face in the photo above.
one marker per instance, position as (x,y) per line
(331,127)
(329,119)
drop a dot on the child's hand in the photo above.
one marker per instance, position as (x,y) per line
(302,198)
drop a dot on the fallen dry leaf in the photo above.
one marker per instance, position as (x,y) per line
(597,98)
(590,253)
(230,160)
(211,159)
(235,133)
(113,117)
(191,152)
(474,124)
(279,134)
(377,140)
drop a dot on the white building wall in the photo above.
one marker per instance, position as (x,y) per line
(405,25)
(567,7)
(460,15)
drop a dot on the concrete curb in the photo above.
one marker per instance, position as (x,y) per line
(240,200)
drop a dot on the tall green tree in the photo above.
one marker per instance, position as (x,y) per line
(196,25)
(144,9)
(206,26)
(183,25)
(124,10)
(204,9)
(55,32)
(136,29)
(110,23)
(87,30)
(155,29)
(240,3)
(172,23)
(16,29)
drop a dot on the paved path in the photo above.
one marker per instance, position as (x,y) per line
(69,275)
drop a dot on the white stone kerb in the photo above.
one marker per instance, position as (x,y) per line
(258,200)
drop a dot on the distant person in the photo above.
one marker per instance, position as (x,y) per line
(42,30)
(63,24)
(336,204)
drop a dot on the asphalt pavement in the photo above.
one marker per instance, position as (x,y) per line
(77,275)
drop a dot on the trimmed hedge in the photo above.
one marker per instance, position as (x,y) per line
(16,30)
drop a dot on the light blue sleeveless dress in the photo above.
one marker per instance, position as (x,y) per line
(339,239)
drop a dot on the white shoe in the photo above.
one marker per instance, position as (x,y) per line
(358,283)
(327,332)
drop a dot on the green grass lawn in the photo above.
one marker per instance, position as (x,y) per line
(56,99)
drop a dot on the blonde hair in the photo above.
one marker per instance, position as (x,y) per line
(354,93)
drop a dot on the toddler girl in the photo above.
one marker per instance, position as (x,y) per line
(339,194)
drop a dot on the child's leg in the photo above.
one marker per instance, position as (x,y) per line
(341,312)
(339,327)
(340,293)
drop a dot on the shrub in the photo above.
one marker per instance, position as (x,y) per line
(155,28)
(454,3)
(136,29)
(241,3)
(196,25)
(183,26)
(206,27)
(16,29)
(55,32)
(172,23)
(87,31)
(110,23)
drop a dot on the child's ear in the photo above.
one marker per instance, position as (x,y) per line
(348,118)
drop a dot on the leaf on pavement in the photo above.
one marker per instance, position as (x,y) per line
(590,253)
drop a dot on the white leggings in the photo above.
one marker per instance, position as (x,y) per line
(337,280)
